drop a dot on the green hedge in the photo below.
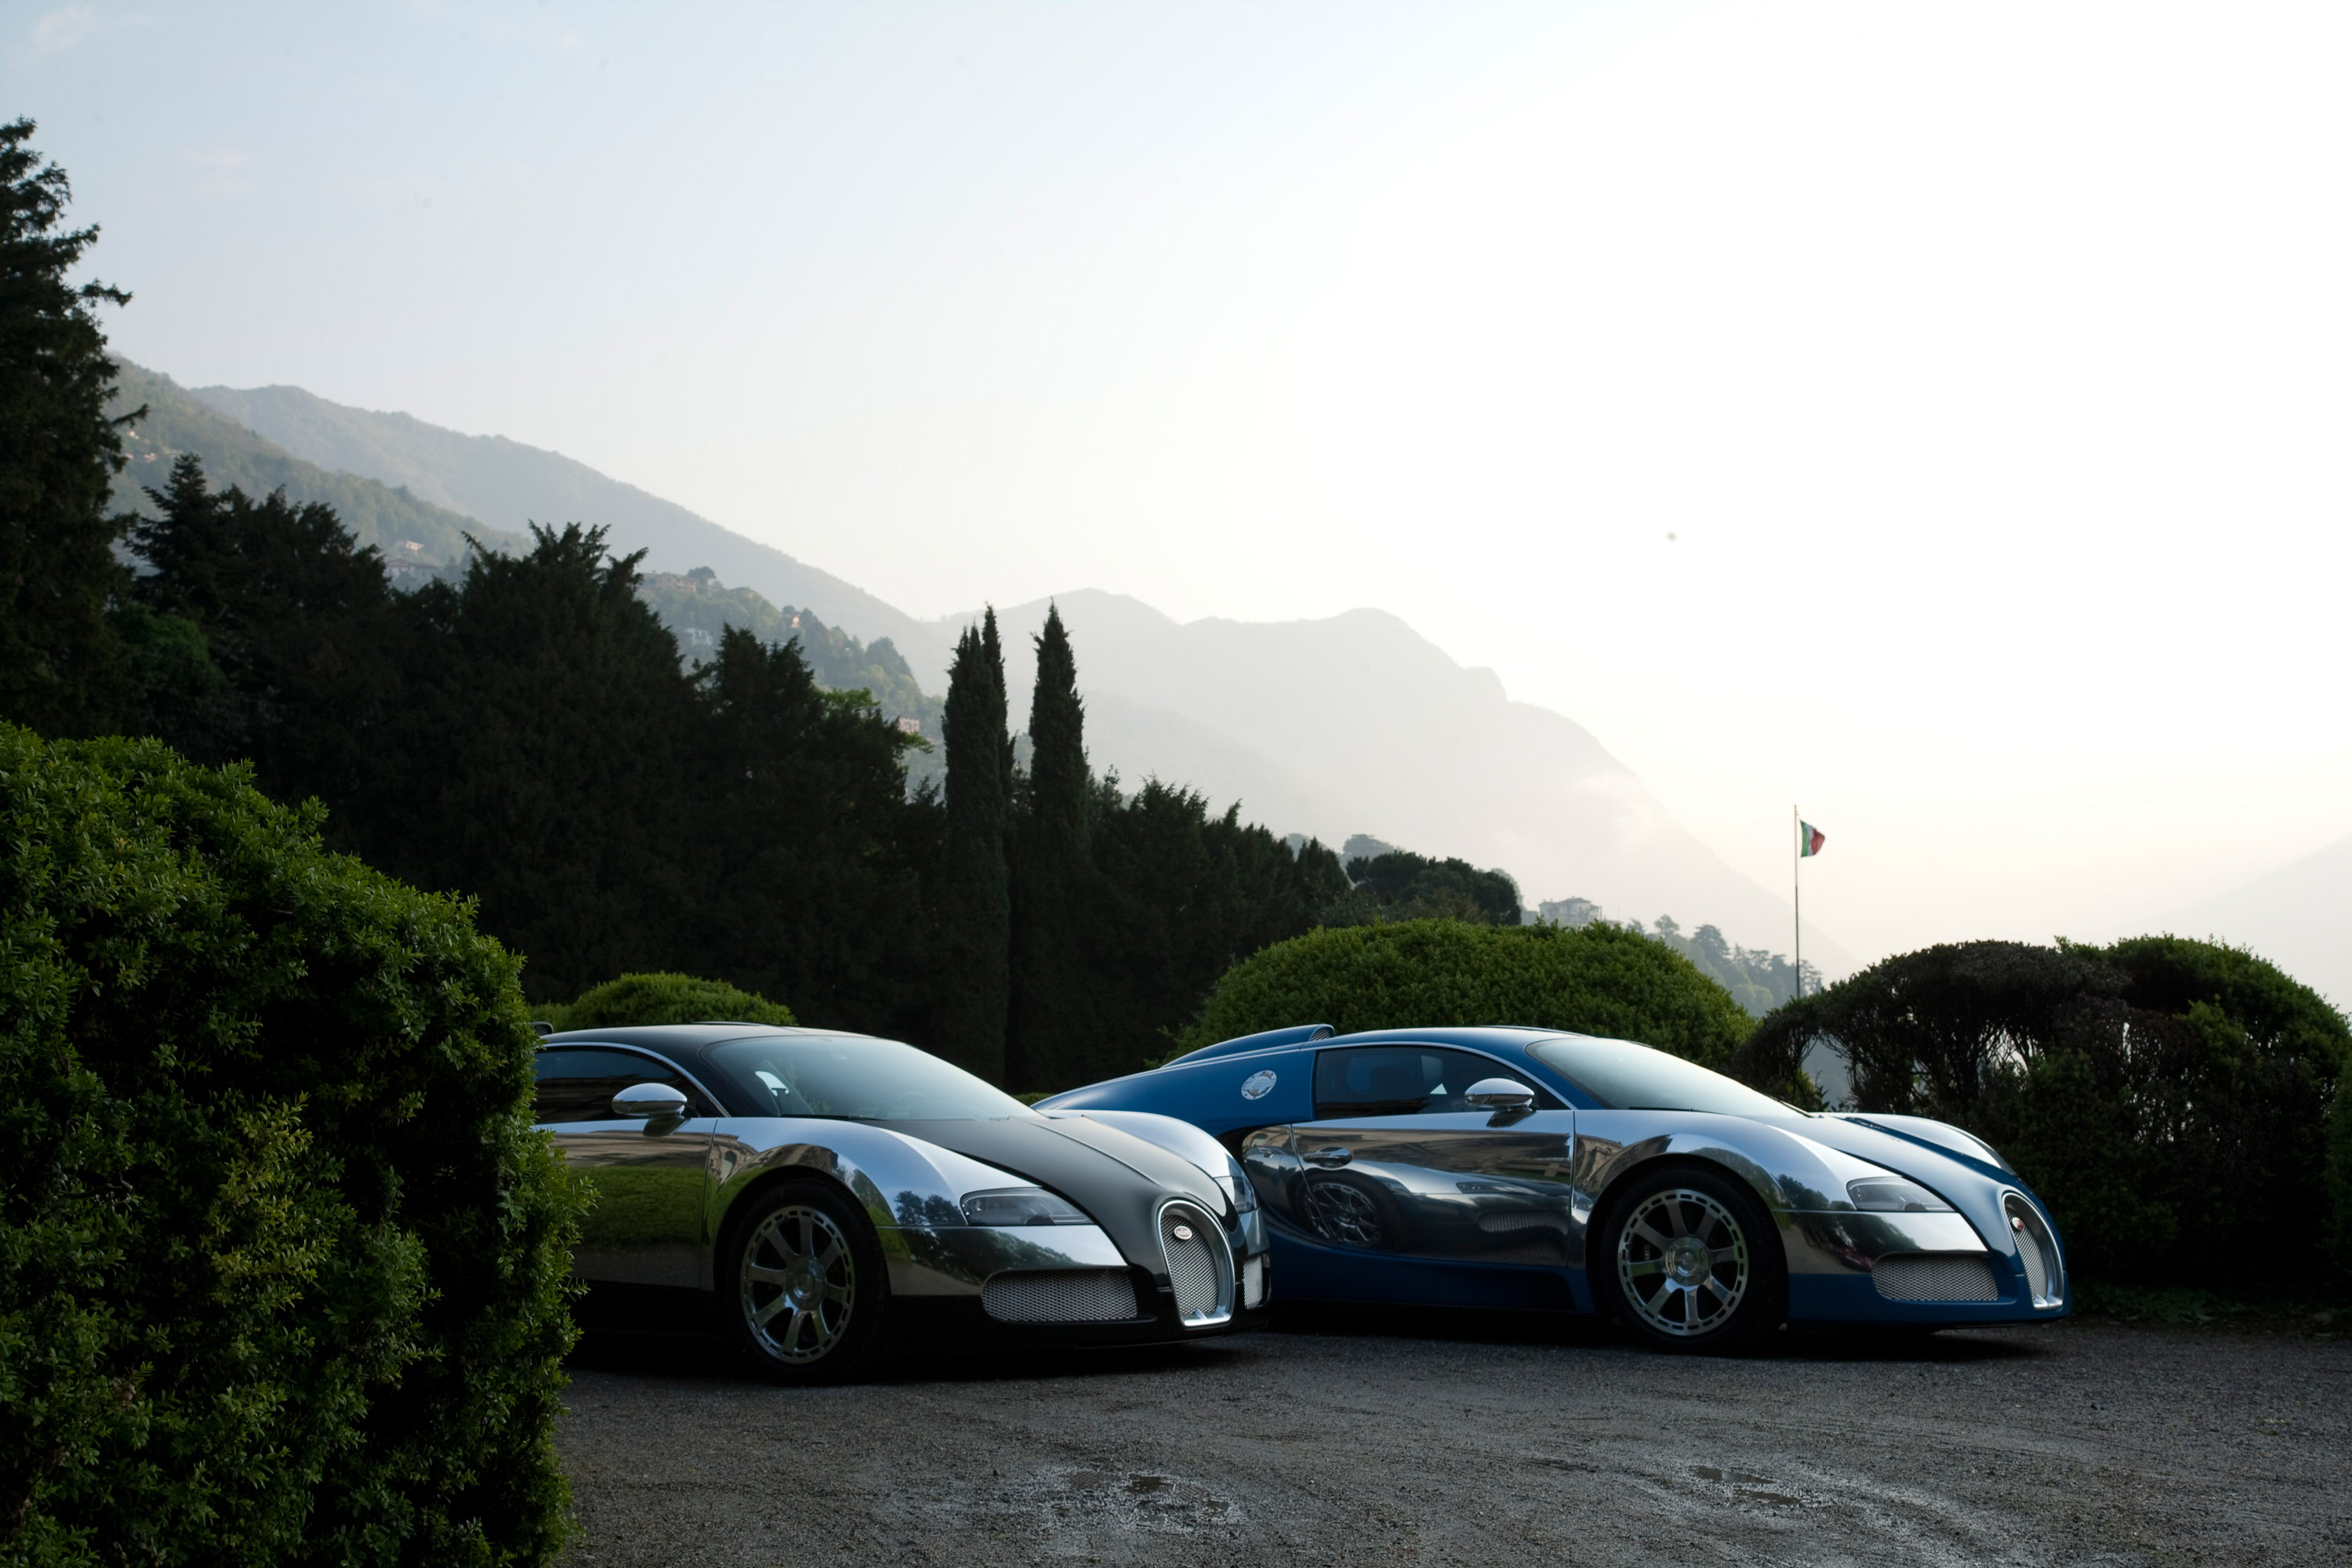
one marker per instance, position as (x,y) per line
(664,999)
(283,1268)
(1595,979)
(2166,1097)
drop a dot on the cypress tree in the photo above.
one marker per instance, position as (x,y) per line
(974,905)
(63,669)
(1056,894)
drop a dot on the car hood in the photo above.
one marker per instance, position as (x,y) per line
(1118,1179)
(1968,1183)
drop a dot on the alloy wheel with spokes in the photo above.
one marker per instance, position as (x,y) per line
(799,1283)
(806,1283)
(1692,1263)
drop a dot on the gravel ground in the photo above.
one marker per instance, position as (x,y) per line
(1338,1439)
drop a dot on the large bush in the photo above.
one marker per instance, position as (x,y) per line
(1595,979)
(283,1268)
(2161,1094)
(665,999)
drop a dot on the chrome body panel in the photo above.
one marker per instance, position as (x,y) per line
(646,1226)
(911,1190)
(1473,1186)
(1798,1165)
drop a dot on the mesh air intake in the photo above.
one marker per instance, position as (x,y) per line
(1200,1269)
(1936,1277)
(2037,1249)
(1060,1296)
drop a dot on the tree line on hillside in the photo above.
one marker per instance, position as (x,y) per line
(527,734)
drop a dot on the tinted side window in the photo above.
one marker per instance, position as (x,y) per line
(577,1084)
(1404,1080)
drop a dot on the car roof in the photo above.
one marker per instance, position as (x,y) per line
(670,1038)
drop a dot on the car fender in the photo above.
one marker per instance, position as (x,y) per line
(1801,1184)
(911,1191)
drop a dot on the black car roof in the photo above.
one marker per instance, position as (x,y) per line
(670,1038)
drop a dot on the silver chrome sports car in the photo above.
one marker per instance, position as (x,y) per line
(813,1191)
(1510,1167)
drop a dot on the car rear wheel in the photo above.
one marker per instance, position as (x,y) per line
(1690,1262)
(803,1289)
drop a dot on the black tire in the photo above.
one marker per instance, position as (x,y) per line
(802,1253)
(1354,1212)
(1689,1261)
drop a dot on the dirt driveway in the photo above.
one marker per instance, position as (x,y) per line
(1478,1441)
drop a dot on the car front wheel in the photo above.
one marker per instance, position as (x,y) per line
(804,1289)
(1690,1262)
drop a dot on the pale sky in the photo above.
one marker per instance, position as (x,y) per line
(1935,415)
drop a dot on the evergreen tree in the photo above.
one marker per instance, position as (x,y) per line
(294,630)
(973,906)
(1057,901)
(804,849)
(63,668)
(545,758)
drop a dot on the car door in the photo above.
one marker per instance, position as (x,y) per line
(650,1176)
(1396,1161)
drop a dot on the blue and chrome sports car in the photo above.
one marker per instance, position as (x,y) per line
(1533,1168)
(808,1192)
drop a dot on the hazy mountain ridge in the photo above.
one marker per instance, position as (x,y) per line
(376,514)
(1331,727)
(1358,723)
(510,485)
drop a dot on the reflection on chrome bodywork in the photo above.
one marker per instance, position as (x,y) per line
(646,1226)
(1801,1180)
(1481,1186)
(911,1191)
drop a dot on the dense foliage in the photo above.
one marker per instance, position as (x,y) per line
(2156,1092)
(1758,980)
(1398,885)
(664,999)
(1124,909)
(1594,979)
(62,667)
(286,1269)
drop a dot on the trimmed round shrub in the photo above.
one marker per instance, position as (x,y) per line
(1593,979)
(667,999)
(2157,1092)
(284,1271)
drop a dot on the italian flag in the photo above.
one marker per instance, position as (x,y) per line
(1810,839)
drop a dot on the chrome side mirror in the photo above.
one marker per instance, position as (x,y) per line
(1501,1094)
(655,1101)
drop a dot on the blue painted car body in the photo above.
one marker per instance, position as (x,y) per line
(1473,1208)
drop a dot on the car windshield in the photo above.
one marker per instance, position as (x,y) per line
(1623,1075)
(856,1079)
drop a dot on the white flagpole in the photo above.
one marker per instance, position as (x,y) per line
(1797,889)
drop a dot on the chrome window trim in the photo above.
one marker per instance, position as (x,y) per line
(719,1105)
(1338,1044)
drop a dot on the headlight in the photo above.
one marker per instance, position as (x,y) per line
(1236,1183)
(1020,1206)
(1892,1195)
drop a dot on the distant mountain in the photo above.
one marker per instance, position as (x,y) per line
(2299,917)
(1359,724)
(406,528)
(510,486)
(1347,725)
